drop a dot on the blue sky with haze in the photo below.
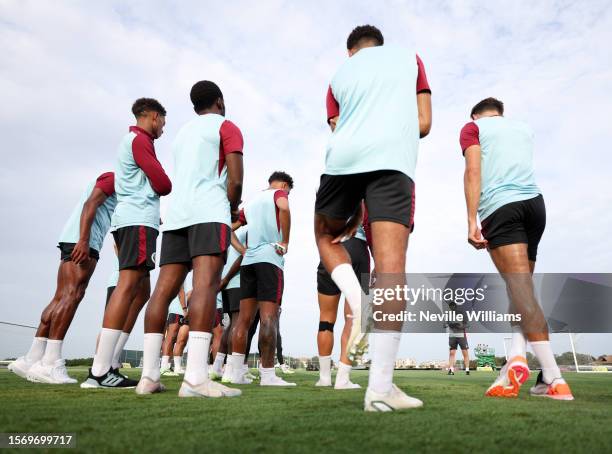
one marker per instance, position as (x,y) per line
(70,71)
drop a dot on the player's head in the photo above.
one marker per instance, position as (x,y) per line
(281,180)
(363,36)
(150,114)
(206,97)
(489,107)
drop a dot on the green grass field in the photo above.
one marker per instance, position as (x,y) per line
(455,418)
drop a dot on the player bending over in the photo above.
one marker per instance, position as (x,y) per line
(261,276)
(500,188)
(80,243)
(378,105)
(197,229)
(329,299)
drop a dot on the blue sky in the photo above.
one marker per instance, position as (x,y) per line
(70,71)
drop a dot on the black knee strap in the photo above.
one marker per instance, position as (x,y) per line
(326,326)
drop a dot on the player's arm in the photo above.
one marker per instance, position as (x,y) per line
(471,185)
(424,107)
(284,217)
(423,99)
(80,253)
(236,244)
(234,269)
(469,139)
(235,173)
(145,158)
(232,145)
(333,109)
(182,299)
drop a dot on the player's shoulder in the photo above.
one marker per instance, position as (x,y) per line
(229,128)
(470,126)
(140,138)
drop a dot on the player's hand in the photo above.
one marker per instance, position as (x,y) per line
(475,237)
(281,248)
(80,253)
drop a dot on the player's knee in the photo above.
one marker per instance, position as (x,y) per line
(326,326)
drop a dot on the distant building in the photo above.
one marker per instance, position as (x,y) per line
(405,363)
(604,360)
(433,364)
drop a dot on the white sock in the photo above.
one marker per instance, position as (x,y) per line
(467,367)
(267,374)
(165,362)
(53,352)
(547,360)
(123,338)
(518,345)
(344,277)
(150,357)
(196,371)
(37,349)
(236,361)
(344,372)
(106,348)
(325,368)
(384,353)
(178,363)
(218,364)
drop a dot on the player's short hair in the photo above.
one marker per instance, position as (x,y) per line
(204,94)
(364,33)
(144,105)
(281,176)
(487,104)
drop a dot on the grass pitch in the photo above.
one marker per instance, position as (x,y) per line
(456,417)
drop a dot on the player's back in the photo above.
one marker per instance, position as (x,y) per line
(199,192)
(378,125)
(102,220)
(262,217)
(506,162)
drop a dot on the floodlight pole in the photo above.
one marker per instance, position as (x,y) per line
(571,338)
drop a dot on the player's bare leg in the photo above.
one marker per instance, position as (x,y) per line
(144,292)
(390,242)
(179,348)
(246,316)
(171,277)
(44,362)
(451,361)
(268,326)
(337,262)
(516,269)
(328,309)
(202,311)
